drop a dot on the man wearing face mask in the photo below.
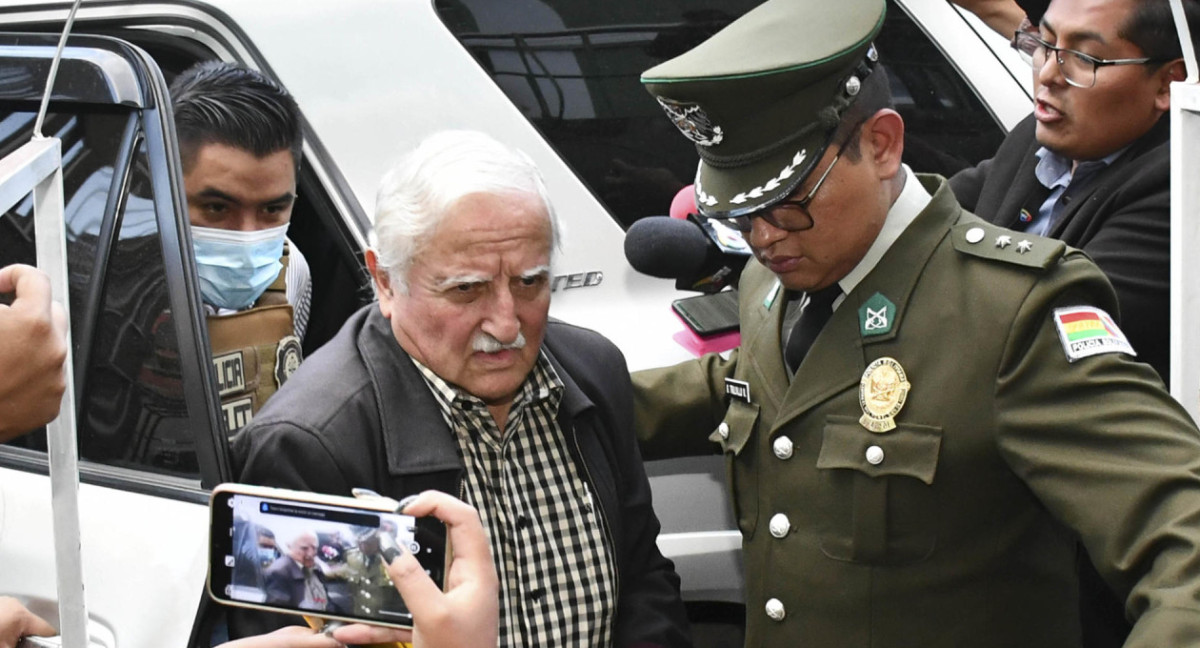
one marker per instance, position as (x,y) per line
(239,139)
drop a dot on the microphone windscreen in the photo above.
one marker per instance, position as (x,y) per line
(666,247)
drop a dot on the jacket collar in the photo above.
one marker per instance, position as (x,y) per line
(1159,134)
(416,438)
(829,368)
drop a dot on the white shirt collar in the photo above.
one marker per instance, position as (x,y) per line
(912,201)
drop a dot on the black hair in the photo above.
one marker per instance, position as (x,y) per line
(223,103)
(1034,9)
(1151,27)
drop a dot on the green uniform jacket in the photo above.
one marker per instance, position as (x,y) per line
(962,532)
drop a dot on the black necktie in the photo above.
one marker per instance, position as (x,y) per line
(812,320)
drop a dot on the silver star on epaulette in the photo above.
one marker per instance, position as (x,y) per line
(1003,241)
(1024,246)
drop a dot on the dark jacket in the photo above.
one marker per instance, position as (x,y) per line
(359,414)
(1121,219)
(284,582)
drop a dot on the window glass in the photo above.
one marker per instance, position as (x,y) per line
(573,66)
(133,413)
(947,127)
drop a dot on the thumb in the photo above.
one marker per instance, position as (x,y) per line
(421,595)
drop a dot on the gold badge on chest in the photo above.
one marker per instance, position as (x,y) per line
(881,393)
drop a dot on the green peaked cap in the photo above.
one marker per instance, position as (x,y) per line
(762,97)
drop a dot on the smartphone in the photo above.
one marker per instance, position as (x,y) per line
(317,555)
(709,315)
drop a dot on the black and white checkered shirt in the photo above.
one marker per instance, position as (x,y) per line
(553,553)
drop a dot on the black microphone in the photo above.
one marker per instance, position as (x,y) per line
(673,248)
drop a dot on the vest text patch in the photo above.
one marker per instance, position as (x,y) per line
(231,375)
(237,414)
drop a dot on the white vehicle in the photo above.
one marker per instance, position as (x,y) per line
(556,78)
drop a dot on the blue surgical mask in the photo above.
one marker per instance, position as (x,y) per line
(266,555)
(235,268)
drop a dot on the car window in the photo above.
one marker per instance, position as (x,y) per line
(947,127)
(572,67)
(128,380)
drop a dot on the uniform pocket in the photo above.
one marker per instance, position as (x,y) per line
(734,434)
(876,492)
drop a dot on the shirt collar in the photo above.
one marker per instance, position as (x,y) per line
(911,201)
(541,385)
(1054,170)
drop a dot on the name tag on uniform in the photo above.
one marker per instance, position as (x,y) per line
(231,375)
(738,389)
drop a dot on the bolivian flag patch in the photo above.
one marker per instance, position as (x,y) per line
(1088,331)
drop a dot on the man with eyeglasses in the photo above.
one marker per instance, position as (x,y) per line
(927,411)
(1091,165)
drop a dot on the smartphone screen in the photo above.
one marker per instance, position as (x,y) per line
(305,557)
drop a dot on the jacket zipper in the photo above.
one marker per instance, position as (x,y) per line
(597,502)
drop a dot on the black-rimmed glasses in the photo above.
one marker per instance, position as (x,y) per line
(787,215)
(1078,69)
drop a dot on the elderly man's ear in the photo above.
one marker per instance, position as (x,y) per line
(383,281)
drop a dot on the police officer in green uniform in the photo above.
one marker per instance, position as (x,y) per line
(926,411)
(365,572)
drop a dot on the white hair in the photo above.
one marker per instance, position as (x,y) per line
(415,195)
(294,534)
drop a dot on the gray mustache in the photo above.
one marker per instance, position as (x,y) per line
(485,343)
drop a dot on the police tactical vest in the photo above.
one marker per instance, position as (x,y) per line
(255,351)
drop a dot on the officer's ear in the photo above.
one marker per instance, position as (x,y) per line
(883,141)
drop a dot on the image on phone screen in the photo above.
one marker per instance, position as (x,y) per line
(313,558)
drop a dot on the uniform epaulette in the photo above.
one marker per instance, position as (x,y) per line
(989,241)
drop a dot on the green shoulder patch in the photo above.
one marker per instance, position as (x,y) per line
(876,316)
(988,241)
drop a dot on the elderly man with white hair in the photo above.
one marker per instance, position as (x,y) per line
(457,380)
(295,579)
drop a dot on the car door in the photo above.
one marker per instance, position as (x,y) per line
(150,440)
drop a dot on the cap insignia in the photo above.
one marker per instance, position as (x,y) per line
(693,122)
(702,196)
(788,171)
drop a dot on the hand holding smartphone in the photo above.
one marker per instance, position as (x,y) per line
(466,614)
(319,555)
